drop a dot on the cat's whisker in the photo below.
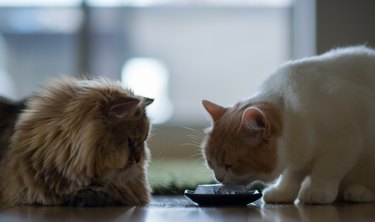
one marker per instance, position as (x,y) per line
(197,142)
(196,137)
(196,157)
(194,130)
(191,129)
(154,132)
(189,144)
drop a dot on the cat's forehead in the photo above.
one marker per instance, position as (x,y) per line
(219,139)
(227,126)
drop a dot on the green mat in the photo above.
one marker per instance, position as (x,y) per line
(173,176)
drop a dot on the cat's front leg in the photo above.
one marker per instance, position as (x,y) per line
(91,197)
(331,163)
(318,191)
(286,189)
(323,184)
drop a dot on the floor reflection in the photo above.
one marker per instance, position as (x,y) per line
(174,209)
(333,213)
(35,213)
(242,214)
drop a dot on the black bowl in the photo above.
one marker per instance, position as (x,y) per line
(223,199)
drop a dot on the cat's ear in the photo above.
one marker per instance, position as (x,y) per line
(147,101)
(255,123)
(122,106)
(213,109)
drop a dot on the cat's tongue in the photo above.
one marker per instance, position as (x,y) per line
(220,189)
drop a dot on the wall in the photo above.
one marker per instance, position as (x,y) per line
(345,22)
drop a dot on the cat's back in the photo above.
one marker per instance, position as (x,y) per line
(334,73)
(354,65)
(330,91)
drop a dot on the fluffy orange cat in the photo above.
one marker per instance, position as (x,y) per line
(78,143)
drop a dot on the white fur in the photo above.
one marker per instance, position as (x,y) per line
(328,144)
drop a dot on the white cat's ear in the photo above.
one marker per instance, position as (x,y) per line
(122,106)
(213,109)
(255,122)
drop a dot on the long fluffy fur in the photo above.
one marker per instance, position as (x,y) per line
(79,142)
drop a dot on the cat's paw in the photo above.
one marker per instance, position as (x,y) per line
(316,195)
(358,193)
(277,195)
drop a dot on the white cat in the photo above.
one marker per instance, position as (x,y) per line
(311,125)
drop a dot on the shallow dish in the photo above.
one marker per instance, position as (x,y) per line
(222,199)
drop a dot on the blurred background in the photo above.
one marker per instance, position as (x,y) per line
(176,51)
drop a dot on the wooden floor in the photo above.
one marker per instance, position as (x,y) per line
(179,209)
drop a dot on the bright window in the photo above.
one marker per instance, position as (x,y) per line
(150,77)
(211,49)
